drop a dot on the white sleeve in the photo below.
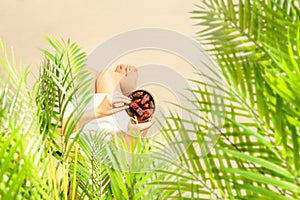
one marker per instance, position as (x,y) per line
(106,124)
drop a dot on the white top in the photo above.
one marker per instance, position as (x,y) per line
(110,124)
(101,124)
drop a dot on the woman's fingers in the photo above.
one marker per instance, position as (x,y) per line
(120,96)
(120,101)
(120,108)
(115,104)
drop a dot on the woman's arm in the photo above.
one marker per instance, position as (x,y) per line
(87,116)
(106,107)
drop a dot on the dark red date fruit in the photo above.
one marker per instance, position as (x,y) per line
(146,105)
(134,105)
(138,94)
(147,114)
(145,99)
(136,108)
(142,106)
(137,101)
(139,111)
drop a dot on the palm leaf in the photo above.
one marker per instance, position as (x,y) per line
(23,161)
(256,154)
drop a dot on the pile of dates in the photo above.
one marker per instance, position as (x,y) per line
(142,105)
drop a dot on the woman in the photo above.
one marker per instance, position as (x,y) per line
(99,114)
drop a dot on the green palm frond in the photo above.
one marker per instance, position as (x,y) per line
(62,93)
(256,45)
(35,125)
(93,176)
(22,159)
(112,169)
(67,83)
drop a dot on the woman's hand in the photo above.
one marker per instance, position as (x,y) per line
(108,107)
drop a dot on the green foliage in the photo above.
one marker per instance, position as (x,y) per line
(36,143)
(62,92)
(257,49)
(22,157)
(112,169)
